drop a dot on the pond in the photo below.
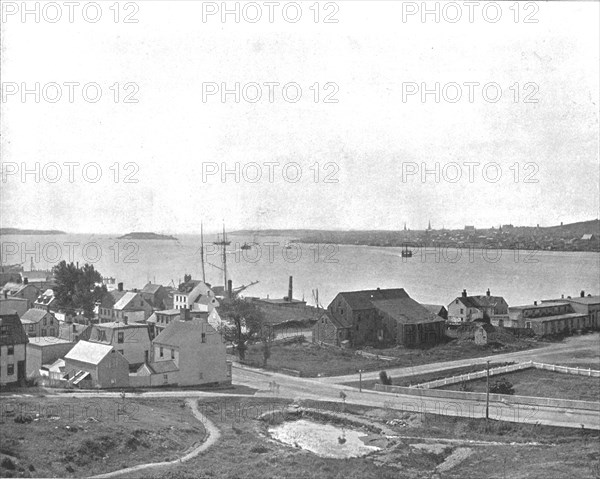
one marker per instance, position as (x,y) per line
(322,439)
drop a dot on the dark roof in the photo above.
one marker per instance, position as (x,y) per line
(285,314)
(359,300)
(34,315)
(11,330)
(160,367)
(469,302)
(434,308)
(82,331)
(406,310)
(486,301)
(151,288)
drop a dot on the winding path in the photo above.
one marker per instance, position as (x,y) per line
(212,437)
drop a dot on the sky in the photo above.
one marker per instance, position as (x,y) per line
(361,146)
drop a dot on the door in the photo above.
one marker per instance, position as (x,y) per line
(20,371)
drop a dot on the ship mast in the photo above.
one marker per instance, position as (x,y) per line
(223,244)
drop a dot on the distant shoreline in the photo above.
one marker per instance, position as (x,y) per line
(19,231)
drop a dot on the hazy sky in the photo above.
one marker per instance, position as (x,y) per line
(367,139)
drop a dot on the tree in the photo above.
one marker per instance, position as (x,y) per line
(385,379)
(502,386)
(78,287)
(247,320)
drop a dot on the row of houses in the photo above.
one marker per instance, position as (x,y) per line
(116,354)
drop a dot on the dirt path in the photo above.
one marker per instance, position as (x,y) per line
(213,435)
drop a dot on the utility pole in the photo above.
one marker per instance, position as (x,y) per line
(202,252)
(360,380)
(487,394)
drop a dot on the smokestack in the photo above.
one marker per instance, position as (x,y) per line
(487,293)
(120,286)
(229,288)
(25,280)
(464,293)
(582,293)
(291,289)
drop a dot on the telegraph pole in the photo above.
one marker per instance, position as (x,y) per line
(487,394)
(202,252)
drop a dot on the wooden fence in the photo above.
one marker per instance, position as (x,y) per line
(507,369)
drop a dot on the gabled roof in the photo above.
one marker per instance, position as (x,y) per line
(434,308)
(161,367)
(339,322)
(11,330)
(486,301)
(81,331)
(151,288)
(361,300)
(34,315)
(180,333)
(406,310)
(469,302)
(86,352)
(15,288)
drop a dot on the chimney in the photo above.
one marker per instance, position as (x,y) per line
(25,280)
(535,303)
(291,289)
(120,286)
(184,314)
(5,294)
(487,293)
(464,293)
(562,296)
(229,288)
(582,293)
(74,328)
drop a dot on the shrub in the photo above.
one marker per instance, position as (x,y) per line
(23,419)
(502,386)
(385,379)
(7,463)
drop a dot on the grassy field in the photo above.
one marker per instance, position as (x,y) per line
(69,437)
(245,451)
(542,383)
(421,378)
(65,442)
(313,360)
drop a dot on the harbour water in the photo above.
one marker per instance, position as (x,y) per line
(431,276)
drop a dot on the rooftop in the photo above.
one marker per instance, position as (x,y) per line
(34,315)
(48,341)
(87,352)
(11,330)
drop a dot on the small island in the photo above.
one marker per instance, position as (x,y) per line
(146,236)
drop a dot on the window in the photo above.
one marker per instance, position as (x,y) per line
(43,331)
(161,352)
(120,337)
(528,324)
(51,332)
(45,321)
(201,375)
(203,337)
(172,354)
(166,378)
(31,327)
(10,369)
(11,350)
(462,310)
(3,330)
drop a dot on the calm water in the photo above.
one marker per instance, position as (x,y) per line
(429,276)
(322,439)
